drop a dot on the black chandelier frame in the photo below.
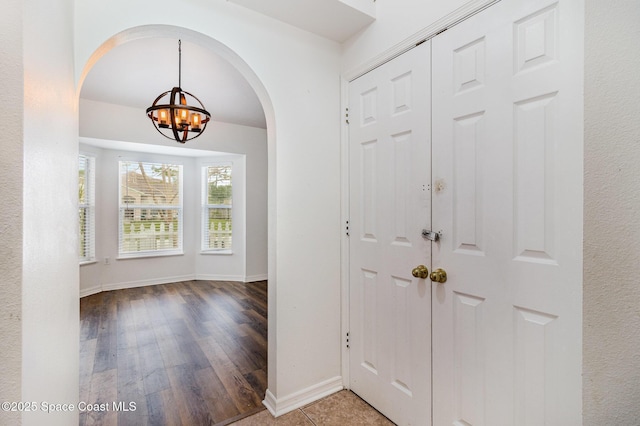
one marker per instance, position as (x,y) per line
(179,113)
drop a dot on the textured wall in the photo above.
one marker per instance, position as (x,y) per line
(611,390)
(11,137)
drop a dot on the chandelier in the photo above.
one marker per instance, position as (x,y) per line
(176,119)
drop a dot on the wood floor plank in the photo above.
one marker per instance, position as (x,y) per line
(253,334)
(219,403)
(106,347)
(154,375)
(87,356)
(190,353)
(188,345)
(190,402)
(240,391)
(257,379)
(170,412)
(233,349)
(104,390)
(172,354)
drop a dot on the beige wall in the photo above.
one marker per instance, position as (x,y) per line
(611,352)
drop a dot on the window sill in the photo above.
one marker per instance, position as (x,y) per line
(224,252)
(142,255)
(88,262)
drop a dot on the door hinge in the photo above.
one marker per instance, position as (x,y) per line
(347,340)
(347,228)
(346,115)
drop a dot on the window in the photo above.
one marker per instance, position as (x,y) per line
(87,207)
(150,219)
(216,208)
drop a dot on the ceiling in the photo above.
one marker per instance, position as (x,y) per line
(135,73)
(336,20)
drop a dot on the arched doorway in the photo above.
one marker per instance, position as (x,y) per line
(188,36)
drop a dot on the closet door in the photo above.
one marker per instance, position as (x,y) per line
(507,198)
(390,204)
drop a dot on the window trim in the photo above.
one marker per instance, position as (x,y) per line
(205,207)
(122,207)
(90,207)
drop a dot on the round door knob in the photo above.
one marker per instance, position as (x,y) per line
(420,271)
(438,276)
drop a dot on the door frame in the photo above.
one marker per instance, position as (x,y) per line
(469,9)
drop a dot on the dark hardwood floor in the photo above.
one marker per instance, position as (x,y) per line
(190,353)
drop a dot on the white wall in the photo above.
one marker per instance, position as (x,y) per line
(11,222)
(612,214)
(249,259)
(396,21)
(50,308)
(296,76)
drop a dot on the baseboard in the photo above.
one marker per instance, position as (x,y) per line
(279,406)
(254,278)
(144,283)
(270,402)
(166,280)
(132,284)
(214,277)
(84,292)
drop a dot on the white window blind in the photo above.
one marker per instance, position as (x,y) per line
(150,219)
(217,208)
(87,207)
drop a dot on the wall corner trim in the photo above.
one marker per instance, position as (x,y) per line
(279,406)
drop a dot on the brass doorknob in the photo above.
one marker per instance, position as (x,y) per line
(420,271)
(438,276)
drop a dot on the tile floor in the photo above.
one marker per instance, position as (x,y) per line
(343,408)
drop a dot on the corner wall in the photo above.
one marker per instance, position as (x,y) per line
(611,395)
(50,305)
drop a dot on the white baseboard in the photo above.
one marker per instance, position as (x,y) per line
(270,402)
(144,283)
(279,406)
(132,284)
(214,277)
(166,280)
(84,292)
(254,278)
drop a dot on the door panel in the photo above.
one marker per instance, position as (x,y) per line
(390,204)
(507,153)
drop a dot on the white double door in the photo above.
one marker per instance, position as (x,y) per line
(477,135)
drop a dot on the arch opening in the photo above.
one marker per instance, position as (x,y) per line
(223,51)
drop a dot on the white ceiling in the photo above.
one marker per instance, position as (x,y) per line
(135,73)
(333,19)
